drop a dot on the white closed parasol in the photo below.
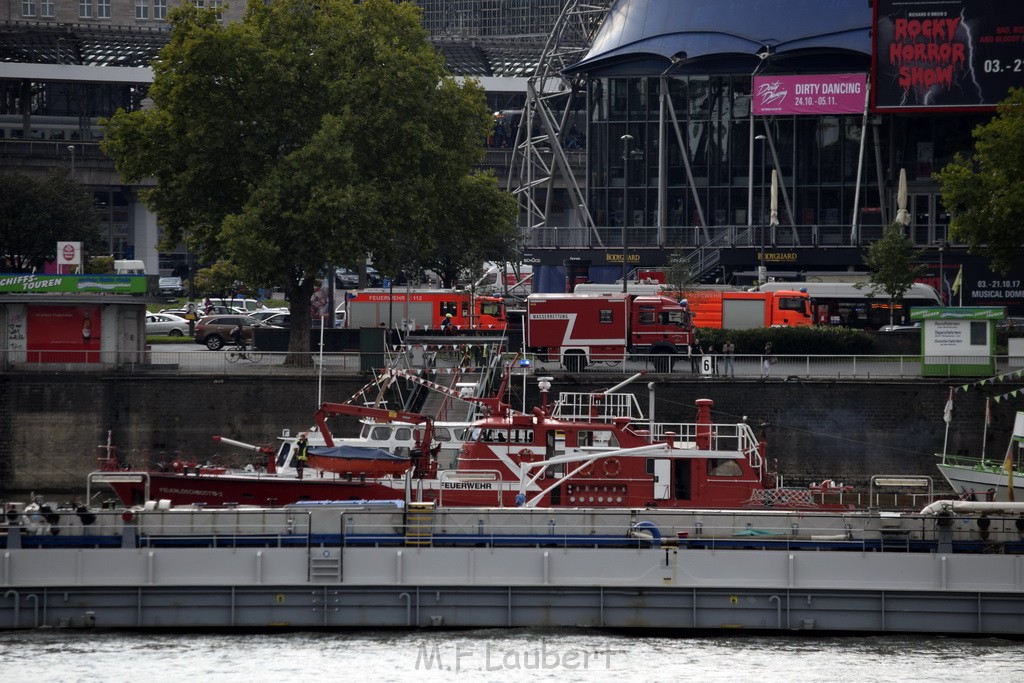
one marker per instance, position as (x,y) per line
(902,215)
(773,218)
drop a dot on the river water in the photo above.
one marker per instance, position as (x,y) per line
(496,655)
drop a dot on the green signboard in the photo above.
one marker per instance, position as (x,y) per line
(83,284)
(959,313)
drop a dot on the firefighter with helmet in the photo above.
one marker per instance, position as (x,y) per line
(447,326)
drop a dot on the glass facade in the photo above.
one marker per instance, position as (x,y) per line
(818,157)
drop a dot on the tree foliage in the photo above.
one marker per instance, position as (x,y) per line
(307,134)
(985,192)
(677,275)
(220,278)
(892,262)
(36,214)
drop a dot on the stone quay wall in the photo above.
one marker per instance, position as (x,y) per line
(52,426)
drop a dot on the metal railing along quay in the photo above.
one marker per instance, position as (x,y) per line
(742,367)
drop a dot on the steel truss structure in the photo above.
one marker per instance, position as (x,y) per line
(539,161)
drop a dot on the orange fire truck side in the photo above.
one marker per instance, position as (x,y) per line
(745,310)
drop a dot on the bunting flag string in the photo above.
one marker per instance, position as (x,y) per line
(1011,394)
(1015,374)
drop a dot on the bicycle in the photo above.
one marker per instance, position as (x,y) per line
(244,351)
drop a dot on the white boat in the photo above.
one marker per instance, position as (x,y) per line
(989,479)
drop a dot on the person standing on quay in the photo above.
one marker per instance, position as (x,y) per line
(301,454)
(729,353)
(695,353)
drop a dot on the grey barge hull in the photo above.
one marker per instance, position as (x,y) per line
(348,568)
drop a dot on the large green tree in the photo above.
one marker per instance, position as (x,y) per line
(310,133)
(985,192)
(36,214)
(892,261)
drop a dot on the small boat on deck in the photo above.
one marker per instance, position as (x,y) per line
(353,461)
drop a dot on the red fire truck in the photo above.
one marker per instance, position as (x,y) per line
(582,329)
(423,309)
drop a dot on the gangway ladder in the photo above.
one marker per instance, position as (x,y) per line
(419,524)
(325,564)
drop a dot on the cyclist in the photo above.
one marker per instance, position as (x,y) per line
(238,336)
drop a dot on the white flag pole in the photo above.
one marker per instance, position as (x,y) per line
(947,415)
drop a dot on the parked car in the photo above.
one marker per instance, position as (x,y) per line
(246,306)
(349,279)
(261,315)
(166,324)
(214,331)
(171,286)
(278,319)
(284,320)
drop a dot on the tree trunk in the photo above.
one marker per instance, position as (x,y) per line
(298,337)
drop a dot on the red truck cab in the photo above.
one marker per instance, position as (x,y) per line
(583,329)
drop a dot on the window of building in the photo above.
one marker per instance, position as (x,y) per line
(142,9)
(28,8)
(218,5)
(103,9)
(85,9)
(46,8)
(159,9)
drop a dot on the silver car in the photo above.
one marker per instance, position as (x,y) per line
(166,324)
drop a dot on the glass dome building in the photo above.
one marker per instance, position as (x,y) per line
(681,142)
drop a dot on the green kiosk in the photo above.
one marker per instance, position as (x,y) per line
(958,341)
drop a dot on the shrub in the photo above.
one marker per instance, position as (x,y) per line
(834,341)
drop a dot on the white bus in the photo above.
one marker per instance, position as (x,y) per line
(858,305)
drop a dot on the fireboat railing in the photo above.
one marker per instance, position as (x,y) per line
(722,437)
(603,407)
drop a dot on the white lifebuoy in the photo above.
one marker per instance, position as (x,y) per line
(612,467)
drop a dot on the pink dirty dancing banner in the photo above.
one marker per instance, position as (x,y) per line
(812,94)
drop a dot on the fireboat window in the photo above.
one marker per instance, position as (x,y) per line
(501,436)
(442,434)
(282,455)
(380,433)
(598,438)
(521,436)
(723,468)
(403,434)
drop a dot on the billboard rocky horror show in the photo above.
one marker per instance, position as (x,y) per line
(951,54)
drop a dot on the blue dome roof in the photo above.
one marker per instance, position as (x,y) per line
(643,36)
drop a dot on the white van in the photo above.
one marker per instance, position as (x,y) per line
(129,267)
(247,305)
